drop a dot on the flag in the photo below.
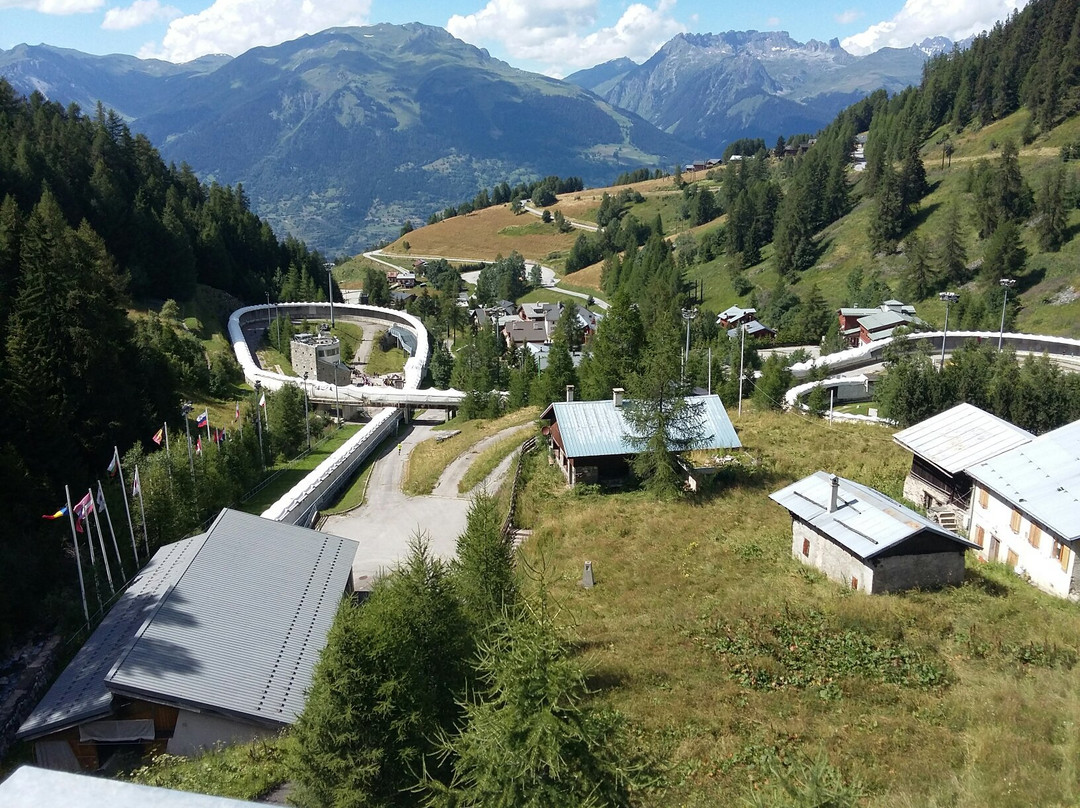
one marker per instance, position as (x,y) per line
(237,416)
(198,445)
(262,401)
(203,420)
(219,436)
(82,508)
(136,488)
(159,436)
(57,515)
(114,464)
(100,498)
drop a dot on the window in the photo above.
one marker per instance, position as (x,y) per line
(1034,535)
(980,535)
(806,547)
(1011,559)
(1061,553)
(1014,522)
(984,498)
(854,583)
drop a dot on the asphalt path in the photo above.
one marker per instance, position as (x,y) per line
(385,525)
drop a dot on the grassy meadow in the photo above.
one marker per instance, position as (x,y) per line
(731,659)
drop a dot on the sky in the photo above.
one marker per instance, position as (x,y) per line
(554,37)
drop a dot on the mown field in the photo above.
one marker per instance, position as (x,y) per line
(734,661)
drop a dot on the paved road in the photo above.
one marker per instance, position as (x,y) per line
(578,225)
(385,524)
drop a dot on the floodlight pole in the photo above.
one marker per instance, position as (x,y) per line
(742,349)
(1006,285)
(307,419)
(688,315)
(948,298)
(258,421)
(330,288)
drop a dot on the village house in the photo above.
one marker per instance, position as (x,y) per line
(867,541)
(214,642)
(947,444)
(1025,509)
(592,440)
(735,316)
(754,330)
(861,326)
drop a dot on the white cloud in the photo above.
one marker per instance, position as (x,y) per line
(773,22)
(138,13)
(234,26)
(919,19)
(557,33)
(848,17)
(56,7)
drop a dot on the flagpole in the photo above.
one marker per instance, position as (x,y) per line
(78,557)
(108,518)
(142,510)
(127,509)
(101,542)
(166,425)
(84,519)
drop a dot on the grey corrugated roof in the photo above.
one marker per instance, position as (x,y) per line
(866,522)
(961,437)
(1041,478)
(600,429)
(31,787)
(79,693)
(242,628)
(882,319)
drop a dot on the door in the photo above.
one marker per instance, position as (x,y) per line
(994,546)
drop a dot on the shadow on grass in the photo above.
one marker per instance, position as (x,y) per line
(1031,278)
(921,215)
(978,579)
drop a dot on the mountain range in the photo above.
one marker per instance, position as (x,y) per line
(710,89)
(340,137)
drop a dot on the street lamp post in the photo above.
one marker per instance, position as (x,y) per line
(1006,285)
(307,421)
(948,298)
(337,401)
(185,410)
(688,315)
(742,351)
(258,422)
(330,288)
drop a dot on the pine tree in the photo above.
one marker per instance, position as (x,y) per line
(387,684)
(662,421)
(1005,254)
(1052,223)
(482,574)
(918,281)
(952,254)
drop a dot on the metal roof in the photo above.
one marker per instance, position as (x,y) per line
(961,437)
(865,522)
(600,429)
(31,787)
(79,693)
(240,631)
(882,319)
(1040,478)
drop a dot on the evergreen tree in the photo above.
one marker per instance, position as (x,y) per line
(442,365)
(614,350)
(1005,254)
(531,741)
(662,421)
(1052,222)
(919,279)
(952,254)
(775,380)
(386,685)
(889,214)
(482,574)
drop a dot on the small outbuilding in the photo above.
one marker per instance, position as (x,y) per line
(947,444)
(866,540)
(213,642)
(592,441)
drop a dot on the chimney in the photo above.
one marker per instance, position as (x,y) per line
(834,494)
(616,396)
(569,392)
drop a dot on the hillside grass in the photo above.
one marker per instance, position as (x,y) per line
(727,654)
(430,458)
(384,361)
(489,459)
(486,234)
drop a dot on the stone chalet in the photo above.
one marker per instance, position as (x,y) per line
(592,440)
(863,326)
(865,540)
(214,642)
(1025,510)
(944,446)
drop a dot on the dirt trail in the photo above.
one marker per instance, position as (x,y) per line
(452,476)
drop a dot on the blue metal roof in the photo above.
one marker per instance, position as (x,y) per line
(865,522)
(1040,478)
(600,429)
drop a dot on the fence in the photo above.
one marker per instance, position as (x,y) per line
(508,523)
